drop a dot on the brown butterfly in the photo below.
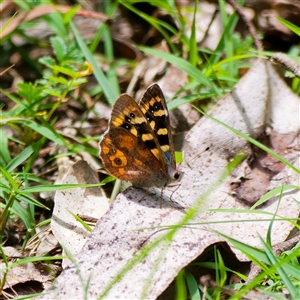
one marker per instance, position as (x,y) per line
(138,145)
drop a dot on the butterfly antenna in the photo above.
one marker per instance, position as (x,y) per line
(197,156)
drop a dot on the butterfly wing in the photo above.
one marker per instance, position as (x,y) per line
(126,157)
(130,150)
(154,107)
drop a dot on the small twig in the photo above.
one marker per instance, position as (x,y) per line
(277,249)
(287,63)
(248,23)
(88,219)
(286,245)
(7,69)
(209,25)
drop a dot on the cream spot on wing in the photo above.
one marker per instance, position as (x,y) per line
(134,131)
(138,162)
(155,153)
(159,113)
(137,120)
(152,124)
(162,131)
(147,137)
(118,121)
(165,148)
(152,101)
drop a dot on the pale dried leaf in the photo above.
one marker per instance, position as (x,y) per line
(27,273)
(47,244)
(11,252)
(131,223)
(89,202)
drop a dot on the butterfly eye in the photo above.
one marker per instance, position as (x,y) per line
(177,175)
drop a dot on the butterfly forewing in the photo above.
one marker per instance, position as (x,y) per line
(127,114)
(154,107)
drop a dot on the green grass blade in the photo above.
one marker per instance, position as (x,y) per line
(218,52)
(49,132)
(109,93)
(10,179)
(192,286)
(274,261)
(290,25)
(5,157)
(182,64)
(55,187)
(19,159)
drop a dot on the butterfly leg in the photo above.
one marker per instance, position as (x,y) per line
(161,196)
(145,193)
(178,186)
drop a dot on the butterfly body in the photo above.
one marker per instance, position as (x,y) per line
(138,145)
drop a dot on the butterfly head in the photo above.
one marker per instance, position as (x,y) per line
(174,174)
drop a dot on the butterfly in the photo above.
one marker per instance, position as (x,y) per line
(138,146)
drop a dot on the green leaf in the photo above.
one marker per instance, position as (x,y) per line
(257,255)
(30,92)
(275,261)
(66,71)
(47,61)
(10,179)
(70,14)
(58,80)
(22,213)
(59,47)
(27,260)
(4,153)
(20,158)
(86,226)
(56,23)
(193,53)
(290,25)
(46,132)
(192,286)
(7,23)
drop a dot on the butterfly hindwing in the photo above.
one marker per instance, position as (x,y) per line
(154,107)
(126,157)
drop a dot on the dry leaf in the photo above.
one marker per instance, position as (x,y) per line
(259,100)
(89,201)
(28,273)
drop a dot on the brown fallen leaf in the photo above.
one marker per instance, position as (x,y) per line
(42,10)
